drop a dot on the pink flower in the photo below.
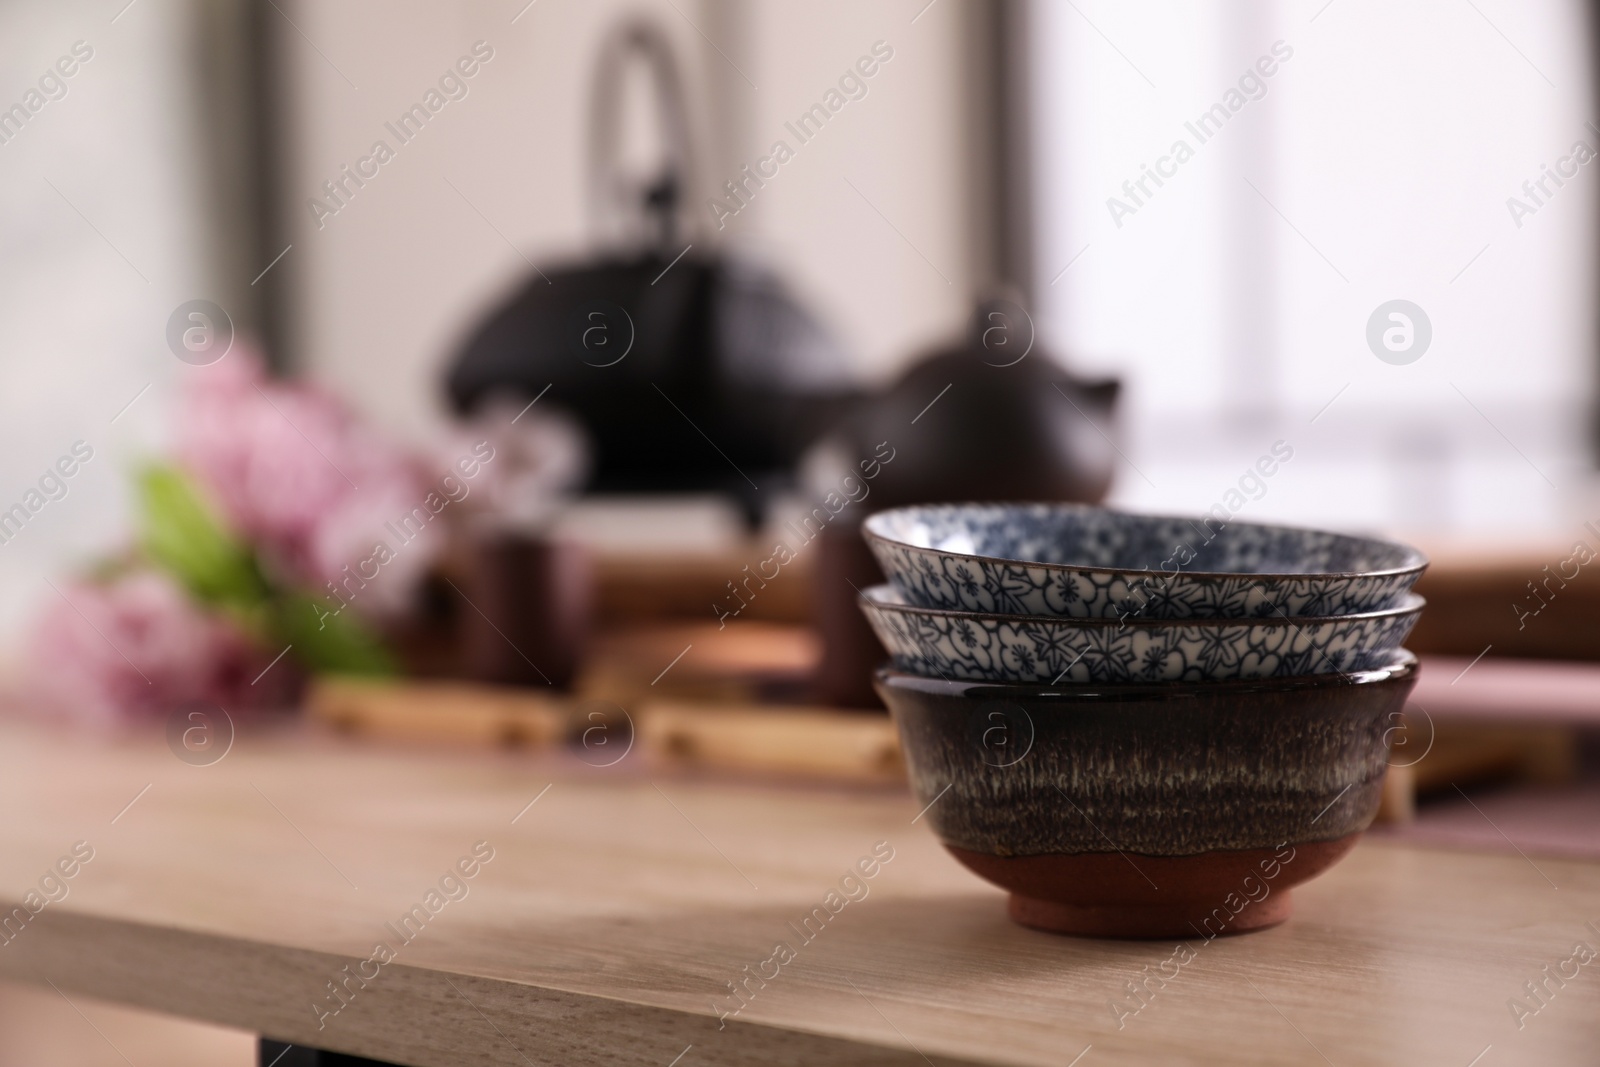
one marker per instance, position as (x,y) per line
(138,648)
(295,474)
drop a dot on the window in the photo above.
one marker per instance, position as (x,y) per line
(1229,191)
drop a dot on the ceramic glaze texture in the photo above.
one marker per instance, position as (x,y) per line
(1085,562)
(1042,650)
(1171,770)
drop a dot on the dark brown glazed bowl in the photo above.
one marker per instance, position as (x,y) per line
(1160,810)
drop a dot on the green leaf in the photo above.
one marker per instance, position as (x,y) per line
(180,533)
(329,642)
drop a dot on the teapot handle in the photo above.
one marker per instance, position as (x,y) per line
(637,211)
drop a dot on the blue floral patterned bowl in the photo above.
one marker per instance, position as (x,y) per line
(973,646)
(1081,562)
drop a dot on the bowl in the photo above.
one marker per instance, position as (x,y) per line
(1038,649)
(1169,810)
(1083,562)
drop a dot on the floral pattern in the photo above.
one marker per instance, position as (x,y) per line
(1075,561)
(1031,649)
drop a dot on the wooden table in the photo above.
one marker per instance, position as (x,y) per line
(617,908)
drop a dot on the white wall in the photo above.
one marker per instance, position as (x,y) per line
(880,219)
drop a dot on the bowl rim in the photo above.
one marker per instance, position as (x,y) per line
(871,534)
(1403,666)
(1413,603)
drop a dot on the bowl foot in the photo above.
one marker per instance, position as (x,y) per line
(1121,894)
(1177,918)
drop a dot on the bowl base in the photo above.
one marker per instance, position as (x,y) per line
(1130,895)
(1141,921)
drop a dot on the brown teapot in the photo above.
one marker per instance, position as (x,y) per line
(991,418)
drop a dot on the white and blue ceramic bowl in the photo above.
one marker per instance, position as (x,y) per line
(1081,562)
(1034,649)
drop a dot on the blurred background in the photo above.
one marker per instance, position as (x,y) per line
(1377,164)
(681,267)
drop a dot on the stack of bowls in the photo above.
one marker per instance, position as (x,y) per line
(1141,726)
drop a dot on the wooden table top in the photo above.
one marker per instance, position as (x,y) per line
(618,907)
